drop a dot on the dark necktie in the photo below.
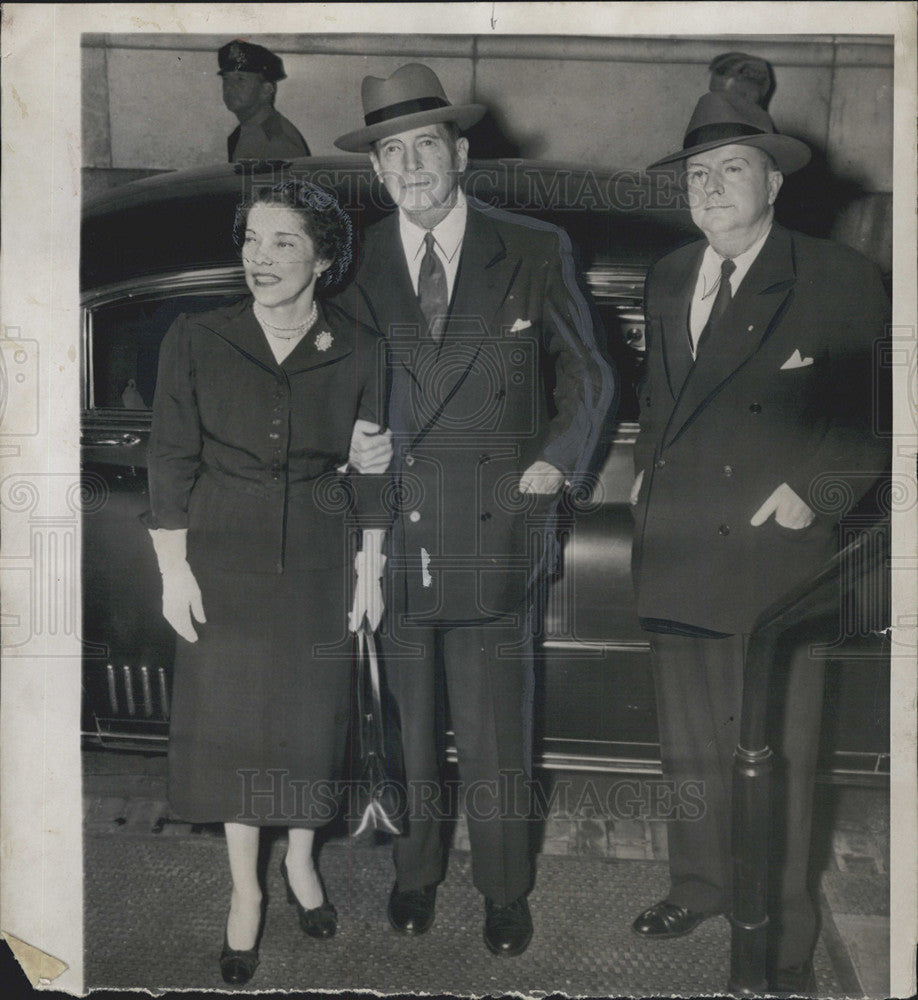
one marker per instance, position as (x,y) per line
(432,294)
(722,301)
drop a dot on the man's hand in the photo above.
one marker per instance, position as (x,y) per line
(541,477)
(371,448)
(789,510)
(636,488)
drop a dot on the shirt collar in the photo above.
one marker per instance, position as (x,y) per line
(448,232)
(258,118)
(712,260)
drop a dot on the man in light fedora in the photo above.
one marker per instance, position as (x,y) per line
(250,74)
(759,386)
(481,312)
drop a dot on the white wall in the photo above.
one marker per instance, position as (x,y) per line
(153,101)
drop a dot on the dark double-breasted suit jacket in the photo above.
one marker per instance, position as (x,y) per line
(516,377)
(782,392)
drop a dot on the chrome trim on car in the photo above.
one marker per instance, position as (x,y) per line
(616,282)
(216,279)
(626,646)
(583,762)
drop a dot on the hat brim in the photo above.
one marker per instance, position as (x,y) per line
(361,139)
(789,153)
(255,72)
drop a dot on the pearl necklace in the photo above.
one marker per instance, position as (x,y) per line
(287,332)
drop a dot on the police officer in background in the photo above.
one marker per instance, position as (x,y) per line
(250,74)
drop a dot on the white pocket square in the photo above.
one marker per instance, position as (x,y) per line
(520,324)
(795,361)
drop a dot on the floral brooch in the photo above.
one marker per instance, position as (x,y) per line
(324,340)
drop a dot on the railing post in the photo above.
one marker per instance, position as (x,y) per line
(752,764)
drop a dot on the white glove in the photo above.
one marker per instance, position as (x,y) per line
(181,593)
(371,448)
(368,597)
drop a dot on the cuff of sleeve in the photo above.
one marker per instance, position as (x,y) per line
(153,523)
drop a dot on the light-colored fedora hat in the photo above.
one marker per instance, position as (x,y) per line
(722,118)
(410,98)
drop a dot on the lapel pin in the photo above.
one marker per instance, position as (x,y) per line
(324,340)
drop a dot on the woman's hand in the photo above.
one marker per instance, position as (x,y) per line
(181,600)
(371,448)
(368,596)
(181,593)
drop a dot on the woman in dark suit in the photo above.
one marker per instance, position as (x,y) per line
(250,518)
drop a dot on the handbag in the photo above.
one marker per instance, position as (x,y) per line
(378,793)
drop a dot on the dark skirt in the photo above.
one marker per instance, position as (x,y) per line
(261,701)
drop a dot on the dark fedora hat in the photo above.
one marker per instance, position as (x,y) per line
(411,97)
(722,118)
(246,57)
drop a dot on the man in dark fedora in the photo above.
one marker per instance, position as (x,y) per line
(250,74)
(759,385)
(482,313)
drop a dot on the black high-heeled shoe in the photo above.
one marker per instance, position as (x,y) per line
(238,966)
(319,922)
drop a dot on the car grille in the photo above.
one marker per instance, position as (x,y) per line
(131,691)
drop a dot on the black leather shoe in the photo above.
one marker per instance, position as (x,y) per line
(667,920)
(237,967)
(412,911)
(319,922)
(794,980)
(507,929)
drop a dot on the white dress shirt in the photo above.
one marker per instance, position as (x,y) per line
(709,281)
(447,233)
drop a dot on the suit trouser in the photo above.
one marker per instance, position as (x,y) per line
(699,685)
(489,691)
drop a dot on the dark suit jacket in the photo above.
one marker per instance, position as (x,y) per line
(517,377)
(784,393)
(238,439)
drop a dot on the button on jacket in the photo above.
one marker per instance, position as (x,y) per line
(238,440)
(517,377)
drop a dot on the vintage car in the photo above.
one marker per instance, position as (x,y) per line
(155,248)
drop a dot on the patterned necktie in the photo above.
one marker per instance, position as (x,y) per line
(432,294)
(722,301)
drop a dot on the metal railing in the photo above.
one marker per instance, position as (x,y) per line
(867,555)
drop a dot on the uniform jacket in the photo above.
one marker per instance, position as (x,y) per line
(239,443)
(278,138)
(783,392)
(516,377)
